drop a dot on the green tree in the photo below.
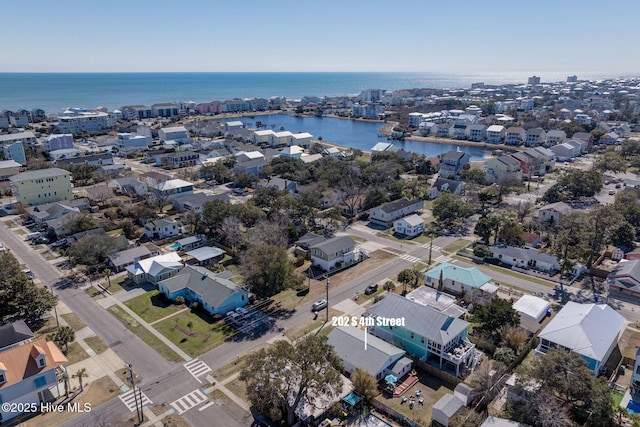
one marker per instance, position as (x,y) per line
(268,270)
(19,297)
(450,208)
(610,161)
(63,337)
(364,384)
(493,316)
(93,250)
(405,277)
(280,376)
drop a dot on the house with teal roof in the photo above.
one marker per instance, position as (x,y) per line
(459,280)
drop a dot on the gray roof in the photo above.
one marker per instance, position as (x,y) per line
(206,252)
(627,274)
(420,319)
(190,239)
(448,404)
(396,205)
(453,155)
(335,244)
(13,333)
(128,256)
(524,254)
(453,184)
(348,342)
(212,288)
(39,174)
(500,422)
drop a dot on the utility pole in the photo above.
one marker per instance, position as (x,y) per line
(430,244)
(132,379)
(328,298)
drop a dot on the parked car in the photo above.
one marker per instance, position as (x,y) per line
(41,240)
(371,289)
(320,304)
(59,243)
(242,311)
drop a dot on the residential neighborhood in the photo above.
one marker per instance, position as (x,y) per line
(158,259)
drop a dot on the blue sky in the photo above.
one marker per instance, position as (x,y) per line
(329,35)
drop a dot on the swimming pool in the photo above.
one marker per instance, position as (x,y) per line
(175,246)
(633,407)
(352,398)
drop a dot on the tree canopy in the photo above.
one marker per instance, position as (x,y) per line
(268,270)
(279,377)
(493,316)
(449,208)
(19,297)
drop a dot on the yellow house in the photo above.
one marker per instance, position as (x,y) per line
(42,186)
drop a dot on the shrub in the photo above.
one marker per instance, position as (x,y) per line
(179,300)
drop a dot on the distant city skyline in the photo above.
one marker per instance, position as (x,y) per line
(288,35)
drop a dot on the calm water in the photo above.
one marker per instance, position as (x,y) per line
(54,92)
(355,134)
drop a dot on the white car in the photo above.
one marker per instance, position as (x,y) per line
(321,304)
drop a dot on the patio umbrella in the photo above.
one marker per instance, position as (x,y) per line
(391,379)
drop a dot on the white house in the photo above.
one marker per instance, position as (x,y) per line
(161,229)
(155,269)
(176,133)
(443,185)
(334,252)
(526,258)
(495,134)
(387,213)
(410,226)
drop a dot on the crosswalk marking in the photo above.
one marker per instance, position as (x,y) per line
(197,368)
(410,258)
(129,399)
(441,258)
(434,247)
(189,401)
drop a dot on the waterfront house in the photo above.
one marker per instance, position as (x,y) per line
(387,213)
(625,278)
(154,269)
(377,357)
(409,226)
(495,134)
(161,229)
(334,252)
(590,330)
(477,132)
(459,281)
(452,163)
(294,151)
(515,136)
(215,293)
(565,151)
(526,258)
(534,137)
(302,139)
(427,334)
(136,112)
(29,375)
(42,186)
(443,185)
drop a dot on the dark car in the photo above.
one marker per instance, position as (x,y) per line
(371,289)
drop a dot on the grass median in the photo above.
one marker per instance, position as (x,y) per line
(144,334)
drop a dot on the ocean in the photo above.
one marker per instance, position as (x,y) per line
(54,92)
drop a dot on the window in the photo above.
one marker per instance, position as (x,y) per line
(2,378)
(40,381)
(42,362)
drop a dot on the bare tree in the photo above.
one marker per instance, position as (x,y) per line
(232,231)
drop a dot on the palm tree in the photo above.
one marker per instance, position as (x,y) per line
(82,373)
(107,273)
(64,336)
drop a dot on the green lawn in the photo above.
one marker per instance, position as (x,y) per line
(617,398)
(200,338)
(144,334)
(512,273)
(116,284)
(152,306)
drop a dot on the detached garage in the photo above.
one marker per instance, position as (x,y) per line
(532,311)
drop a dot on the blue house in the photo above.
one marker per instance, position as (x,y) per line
(423,332)
(216,293)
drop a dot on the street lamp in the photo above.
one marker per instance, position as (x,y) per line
(328,282)
(132,379)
